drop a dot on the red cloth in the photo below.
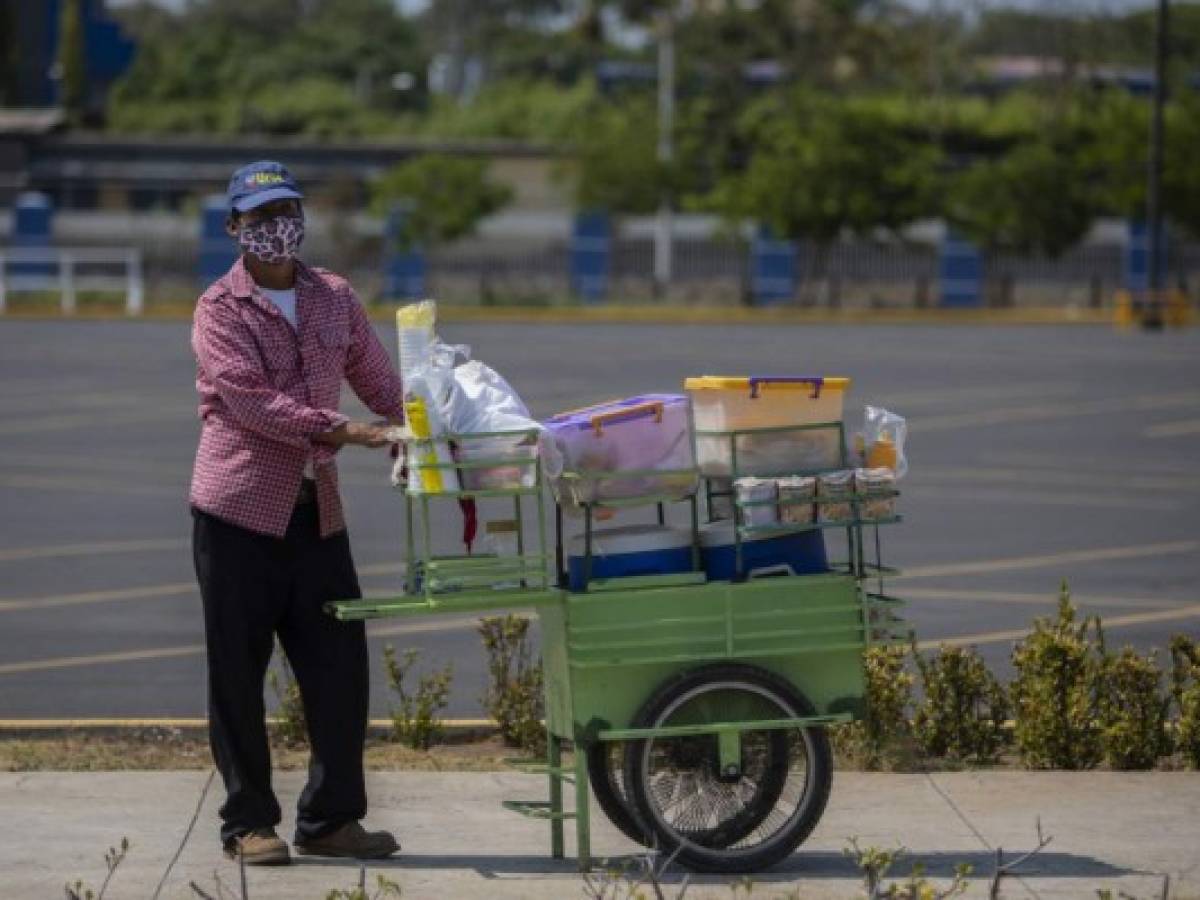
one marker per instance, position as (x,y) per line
(266,390)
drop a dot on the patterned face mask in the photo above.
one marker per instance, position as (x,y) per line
(273,240)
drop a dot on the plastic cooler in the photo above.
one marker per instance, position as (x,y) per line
(745,403)
(798,553)
(631,550)
(641,434)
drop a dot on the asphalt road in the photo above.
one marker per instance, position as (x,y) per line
(1036,453)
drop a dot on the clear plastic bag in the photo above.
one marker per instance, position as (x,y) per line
(884,436)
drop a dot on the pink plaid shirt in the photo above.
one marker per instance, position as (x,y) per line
(266,390)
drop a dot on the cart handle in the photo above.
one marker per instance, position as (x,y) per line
(758,380)
(630,412)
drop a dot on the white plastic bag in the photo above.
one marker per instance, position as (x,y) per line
(884,434)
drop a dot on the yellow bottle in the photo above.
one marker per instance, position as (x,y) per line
(418,421)
(882,454)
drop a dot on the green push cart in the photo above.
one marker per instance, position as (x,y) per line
(697,710)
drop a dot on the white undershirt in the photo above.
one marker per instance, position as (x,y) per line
(286,302)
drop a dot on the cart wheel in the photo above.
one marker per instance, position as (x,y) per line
(606,764)
(750,816)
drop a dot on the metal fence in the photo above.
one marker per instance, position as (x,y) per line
(707,271)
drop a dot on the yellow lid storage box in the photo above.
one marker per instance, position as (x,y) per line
(746,403)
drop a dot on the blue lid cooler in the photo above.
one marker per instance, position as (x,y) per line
(631,550)
(797,553)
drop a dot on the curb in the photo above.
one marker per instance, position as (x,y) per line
(47,727)
(658,315)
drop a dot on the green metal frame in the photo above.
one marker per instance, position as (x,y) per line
(605,649)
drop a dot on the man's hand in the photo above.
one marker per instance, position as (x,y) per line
(359,433)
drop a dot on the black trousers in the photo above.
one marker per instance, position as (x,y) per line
(255,587)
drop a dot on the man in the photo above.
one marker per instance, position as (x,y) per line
(273,340)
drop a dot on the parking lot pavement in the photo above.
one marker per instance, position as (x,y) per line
(1037,454)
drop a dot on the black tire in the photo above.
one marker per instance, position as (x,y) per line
(762,815)
(606,763)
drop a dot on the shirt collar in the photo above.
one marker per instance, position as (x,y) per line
(242,285)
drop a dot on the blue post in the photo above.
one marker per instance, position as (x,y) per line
(1137,259)
(591,244)
(960,272)
(403,267)
(33,229)
(217,249)
(772,269)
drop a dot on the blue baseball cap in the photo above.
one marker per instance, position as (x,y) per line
(259,183)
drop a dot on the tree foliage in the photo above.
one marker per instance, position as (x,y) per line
(821,166)
(443,197)
(1034,199)
(276,67)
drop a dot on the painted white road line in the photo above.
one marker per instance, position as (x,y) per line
(1012,563)
(76,483)
(1074,500)
(1046,598)
(1173,429)
(92,420)
(1080,461)
(154,653)
(1110,624)
(1041,412)
(1130,480)
(95,548)
(174,589)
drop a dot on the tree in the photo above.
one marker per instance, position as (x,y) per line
(615,166)
(445,197)
(821,166)
(1035,199)
(225,66)
(72,61)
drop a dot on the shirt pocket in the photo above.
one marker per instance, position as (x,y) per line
(333,345)
(278,353)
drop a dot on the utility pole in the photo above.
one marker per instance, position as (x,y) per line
(666,122)
(1152,313)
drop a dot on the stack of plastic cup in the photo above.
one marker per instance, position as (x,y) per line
(415,335)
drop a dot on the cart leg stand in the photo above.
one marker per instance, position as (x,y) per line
(554,766)
(583,843)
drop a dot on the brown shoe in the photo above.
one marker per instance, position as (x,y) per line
(260,847)
(350,841)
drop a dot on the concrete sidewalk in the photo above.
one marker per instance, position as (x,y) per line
(1117,831)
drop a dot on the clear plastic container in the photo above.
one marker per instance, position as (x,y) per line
(644,434)
(837,487)
(724,403)
(796,496)
(521,449)
(758,491)
(874,488)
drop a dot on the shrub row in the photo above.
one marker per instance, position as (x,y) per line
(1074,704)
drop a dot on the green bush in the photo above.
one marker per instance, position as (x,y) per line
(1056,694)
(1134,711)
(878,740)
(445,196)
(515,696)
(964,708)
(416,720)
(1185,690)
(289,725)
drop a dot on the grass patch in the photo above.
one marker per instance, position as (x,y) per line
(172,749)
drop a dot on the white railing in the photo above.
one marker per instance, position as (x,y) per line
(73,270)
